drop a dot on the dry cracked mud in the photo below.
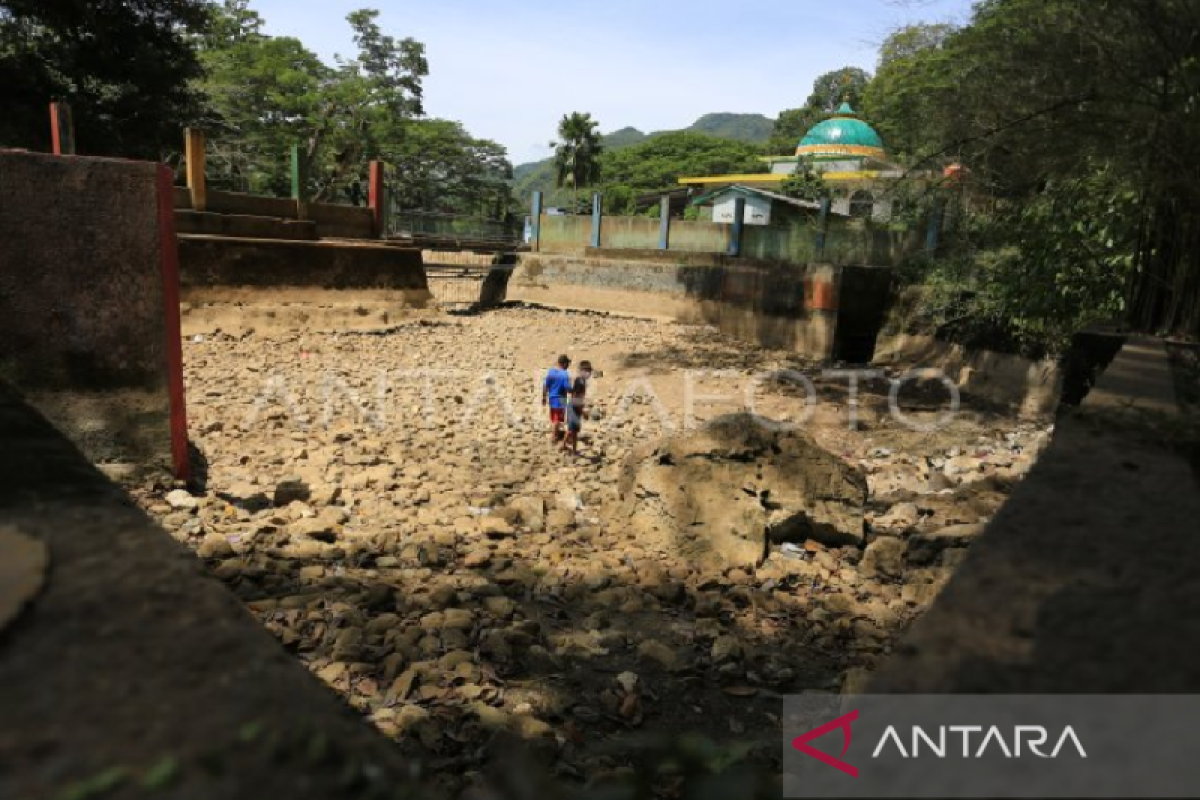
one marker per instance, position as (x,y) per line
(390,505)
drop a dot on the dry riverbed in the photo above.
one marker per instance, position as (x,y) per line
(391,508)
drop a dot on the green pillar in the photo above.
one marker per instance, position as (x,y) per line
(298,181)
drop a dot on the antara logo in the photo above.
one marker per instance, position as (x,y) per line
(1030,737)
(843,722)
(1033,737)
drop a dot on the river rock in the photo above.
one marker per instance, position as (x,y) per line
(717,494)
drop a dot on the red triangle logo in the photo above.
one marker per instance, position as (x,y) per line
(843,722)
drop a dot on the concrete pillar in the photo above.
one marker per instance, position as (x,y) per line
(377,194)
(822,226)
(62,130)
(596,216)
(664,223)
(739,223)
(196,180)
(535,238)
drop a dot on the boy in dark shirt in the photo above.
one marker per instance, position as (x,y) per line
(576,406)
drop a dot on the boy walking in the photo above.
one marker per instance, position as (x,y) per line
(555,389)
(576,407)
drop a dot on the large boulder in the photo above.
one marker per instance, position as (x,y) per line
(724,492)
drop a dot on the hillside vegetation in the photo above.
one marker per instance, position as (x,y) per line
(747,131)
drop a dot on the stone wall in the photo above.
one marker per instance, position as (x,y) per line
(236,285)
(89,325)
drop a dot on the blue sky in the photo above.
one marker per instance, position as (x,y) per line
(509,70)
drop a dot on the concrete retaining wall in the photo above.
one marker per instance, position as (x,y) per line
(240,284)
(774,304)
(1032,388)
(256,215)
(89,313)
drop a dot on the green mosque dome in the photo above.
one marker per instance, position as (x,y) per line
(842,135)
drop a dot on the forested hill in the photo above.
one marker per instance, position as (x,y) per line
(753,128)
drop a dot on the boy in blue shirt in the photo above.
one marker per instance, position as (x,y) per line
(555,388)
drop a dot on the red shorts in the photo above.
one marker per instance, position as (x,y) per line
(558,415)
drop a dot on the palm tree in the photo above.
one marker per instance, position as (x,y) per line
(577,152)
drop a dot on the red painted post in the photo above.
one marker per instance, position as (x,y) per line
(169,250)
(377,198)
(62,130)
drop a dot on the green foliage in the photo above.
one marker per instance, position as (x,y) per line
(1028,274)
(1086,155)
(911,101)
(445,169)
(265,92)
(540,175)
(829,92)
(126,69)
(577,152)
(805,183)
(270,93)
(657,165)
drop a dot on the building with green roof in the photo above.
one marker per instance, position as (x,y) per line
(847,152)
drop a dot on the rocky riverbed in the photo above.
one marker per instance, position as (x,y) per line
(391,507)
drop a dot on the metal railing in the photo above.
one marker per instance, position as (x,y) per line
(428,226)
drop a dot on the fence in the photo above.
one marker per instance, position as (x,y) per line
(315,220)
(426,225)
(825,239)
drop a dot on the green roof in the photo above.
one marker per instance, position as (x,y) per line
(843,129)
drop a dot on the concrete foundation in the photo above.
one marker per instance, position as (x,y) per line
(238,284)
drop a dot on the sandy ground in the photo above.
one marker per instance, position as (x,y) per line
(391,506)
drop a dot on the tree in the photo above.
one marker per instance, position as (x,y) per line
(805,183)
(911,99)
(845,85)
(1086,157)
(912,40)
(270,93)
(577,152)
(265,93)
(126,68)
(363,103)
(231,21)
(828,93)
(657,164)
(447,170)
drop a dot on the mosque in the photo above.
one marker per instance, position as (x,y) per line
(846,151)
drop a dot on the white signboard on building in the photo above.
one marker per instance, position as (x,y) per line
(758,210)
